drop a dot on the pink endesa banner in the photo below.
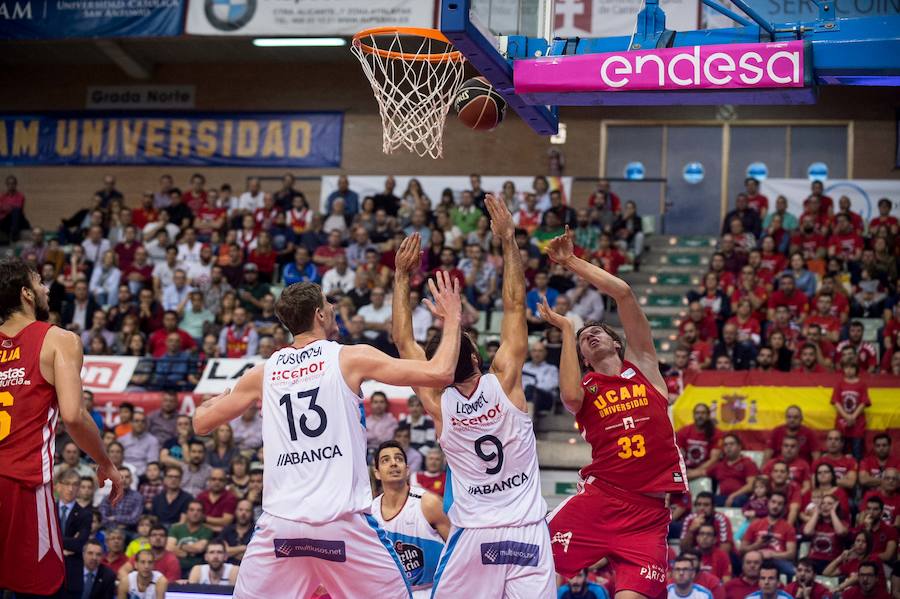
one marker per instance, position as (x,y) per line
(726,66)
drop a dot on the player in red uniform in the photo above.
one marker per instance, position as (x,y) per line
(621,509)
(40,378)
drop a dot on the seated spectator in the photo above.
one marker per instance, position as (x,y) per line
(586,301)
(151,484)
(822,316)
(162,423)
(535,296)
(165,562)
(223,448)
(628,230)
(773,537)
(868,583)
(804,280)
(825,483)
(376,315)
(195,316)
(712,559)
(733,474)
(422,436)
(700,442)
(72,460)
(845,466)
(578,587)
(336,281)
(769,583)
(883,533)
(12,210)
(215,570)
(129,508)
(705,513)
(793,427)
(713,300)
(788,295)
(540,379)
(157,344)
(739,353)
(888,495)
(804,585)
(674,376)
(814,354)
(197,469)
(380,424)
(188,540)
(757,505)
(750,219)
(78,312)
(847,563)
(239,339)
(236,536)
(825,529)
(176,294)
(869,302)
(434,477)
(247,430)
(252,289)
(865,351)
(798,468)
(683,585)
(756,200)
(175,369)
(748,327)
(218,502)
(703,577)
(96,581)
(115,556)
(414,459)
(748,582)
(465,216)
(608,256)
(844,242)
(172,502)
(873,466)
(700,351)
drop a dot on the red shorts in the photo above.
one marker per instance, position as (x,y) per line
(628,529)
(31,558)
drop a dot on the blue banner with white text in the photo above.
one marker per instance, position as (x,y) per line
(298,140)
(58,19)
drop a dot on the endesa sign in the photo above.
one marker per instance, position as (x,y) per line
(718,67)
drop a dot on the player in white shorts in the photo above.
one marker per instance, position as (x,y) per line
(499,545)
(412,518)
(316,526)
(216,570)
(143,582)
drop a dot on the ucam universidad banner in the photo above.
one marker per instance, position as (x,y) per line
(308,17)
(751,403)
(298,140)
(56,19)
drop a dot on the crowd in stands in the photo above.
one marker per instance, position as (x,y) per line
(185,275)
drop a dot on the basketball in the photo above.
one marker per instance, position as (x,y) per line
(478,106)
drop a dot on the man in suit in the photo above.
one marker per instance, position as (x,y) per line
(75,524)
(97,581)
(78,310)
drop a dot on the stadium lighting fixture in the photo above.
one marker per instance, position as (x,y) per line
(296,42)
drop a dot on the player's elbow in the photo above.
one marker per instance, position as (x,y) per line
(200,422)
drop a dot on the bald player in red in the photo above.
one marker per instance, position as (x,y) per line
(621,407)
(40,382)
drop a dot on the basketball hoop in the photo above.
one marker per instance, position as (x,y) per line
(415,74)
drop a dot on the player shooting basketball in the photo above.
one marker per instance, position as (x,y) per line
(621,408)
(499,545)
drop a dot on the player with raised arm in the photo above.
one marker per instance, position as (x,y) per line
(621,407)
(413,518)
(499,545)
(316,525)
(40,382)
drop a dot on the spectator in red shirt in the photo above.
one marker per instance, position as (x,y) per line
(734,473)
(146,213)
(825,530)
(734,259)
(196,197)
(156,344)
(889,495)
(608,256)
(705,513)
(823,316)
(873,466)
(884,218)
(808,360)
(793,427)
(218,502)
(748,581)
(845,243)
(868,584)
(771,259)
(850,398)
(603,192)
(749,288)
(804,585)
(865,351)
(325,256)
(782,324)
(847,563)
(788,295)
(818,198)
(12,210)
(856,222)
(727,279)
(706,324)
(712,559)
(797,467)
(883,534)
(773,536)
(756,200)
(700,442)
(825,483)
(748,327)
(807,240)
(845,466)
(700,351)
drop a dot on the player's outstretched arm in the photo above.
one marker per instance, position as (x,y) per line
(231,404)
(433,510)
(363,362)
(68,358)
(569,370)
(406,262)
(639,347)
(513,351)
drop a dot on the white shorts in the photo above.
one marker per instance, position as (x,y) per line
(506,562)
(350,556)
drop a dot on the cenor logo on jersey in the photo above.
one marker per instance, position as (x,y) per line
(509,553)
(486,418)
(295,374)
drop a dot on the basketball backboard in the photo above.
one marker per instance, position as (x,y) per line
(540,54)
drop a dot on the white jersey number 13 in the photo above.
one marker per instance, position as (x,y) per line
(312,394)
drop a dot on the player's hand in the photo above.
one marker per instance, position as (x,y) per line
(501,220)
(445,291)
(409,255)
(109,472)
(552,317)
(561,248)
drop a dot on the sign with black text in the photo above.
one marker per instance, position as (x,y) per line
(149,97)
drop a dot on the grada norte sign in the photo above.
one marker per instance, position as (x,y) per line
(689,68)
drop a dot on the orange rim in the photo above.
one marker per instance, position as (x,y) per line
(451,56)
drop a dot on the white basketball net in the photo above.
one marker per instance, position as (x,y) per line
(414,79)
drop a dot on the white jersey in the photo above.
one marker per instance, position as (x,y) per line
(149,592)
(224,576)
(315,468)
(417,544)
(492,453)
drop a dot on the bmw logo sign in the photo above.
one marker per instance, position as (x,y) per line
(693,172)
(634,171)
(817,171)
(229,15)
(758,171)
